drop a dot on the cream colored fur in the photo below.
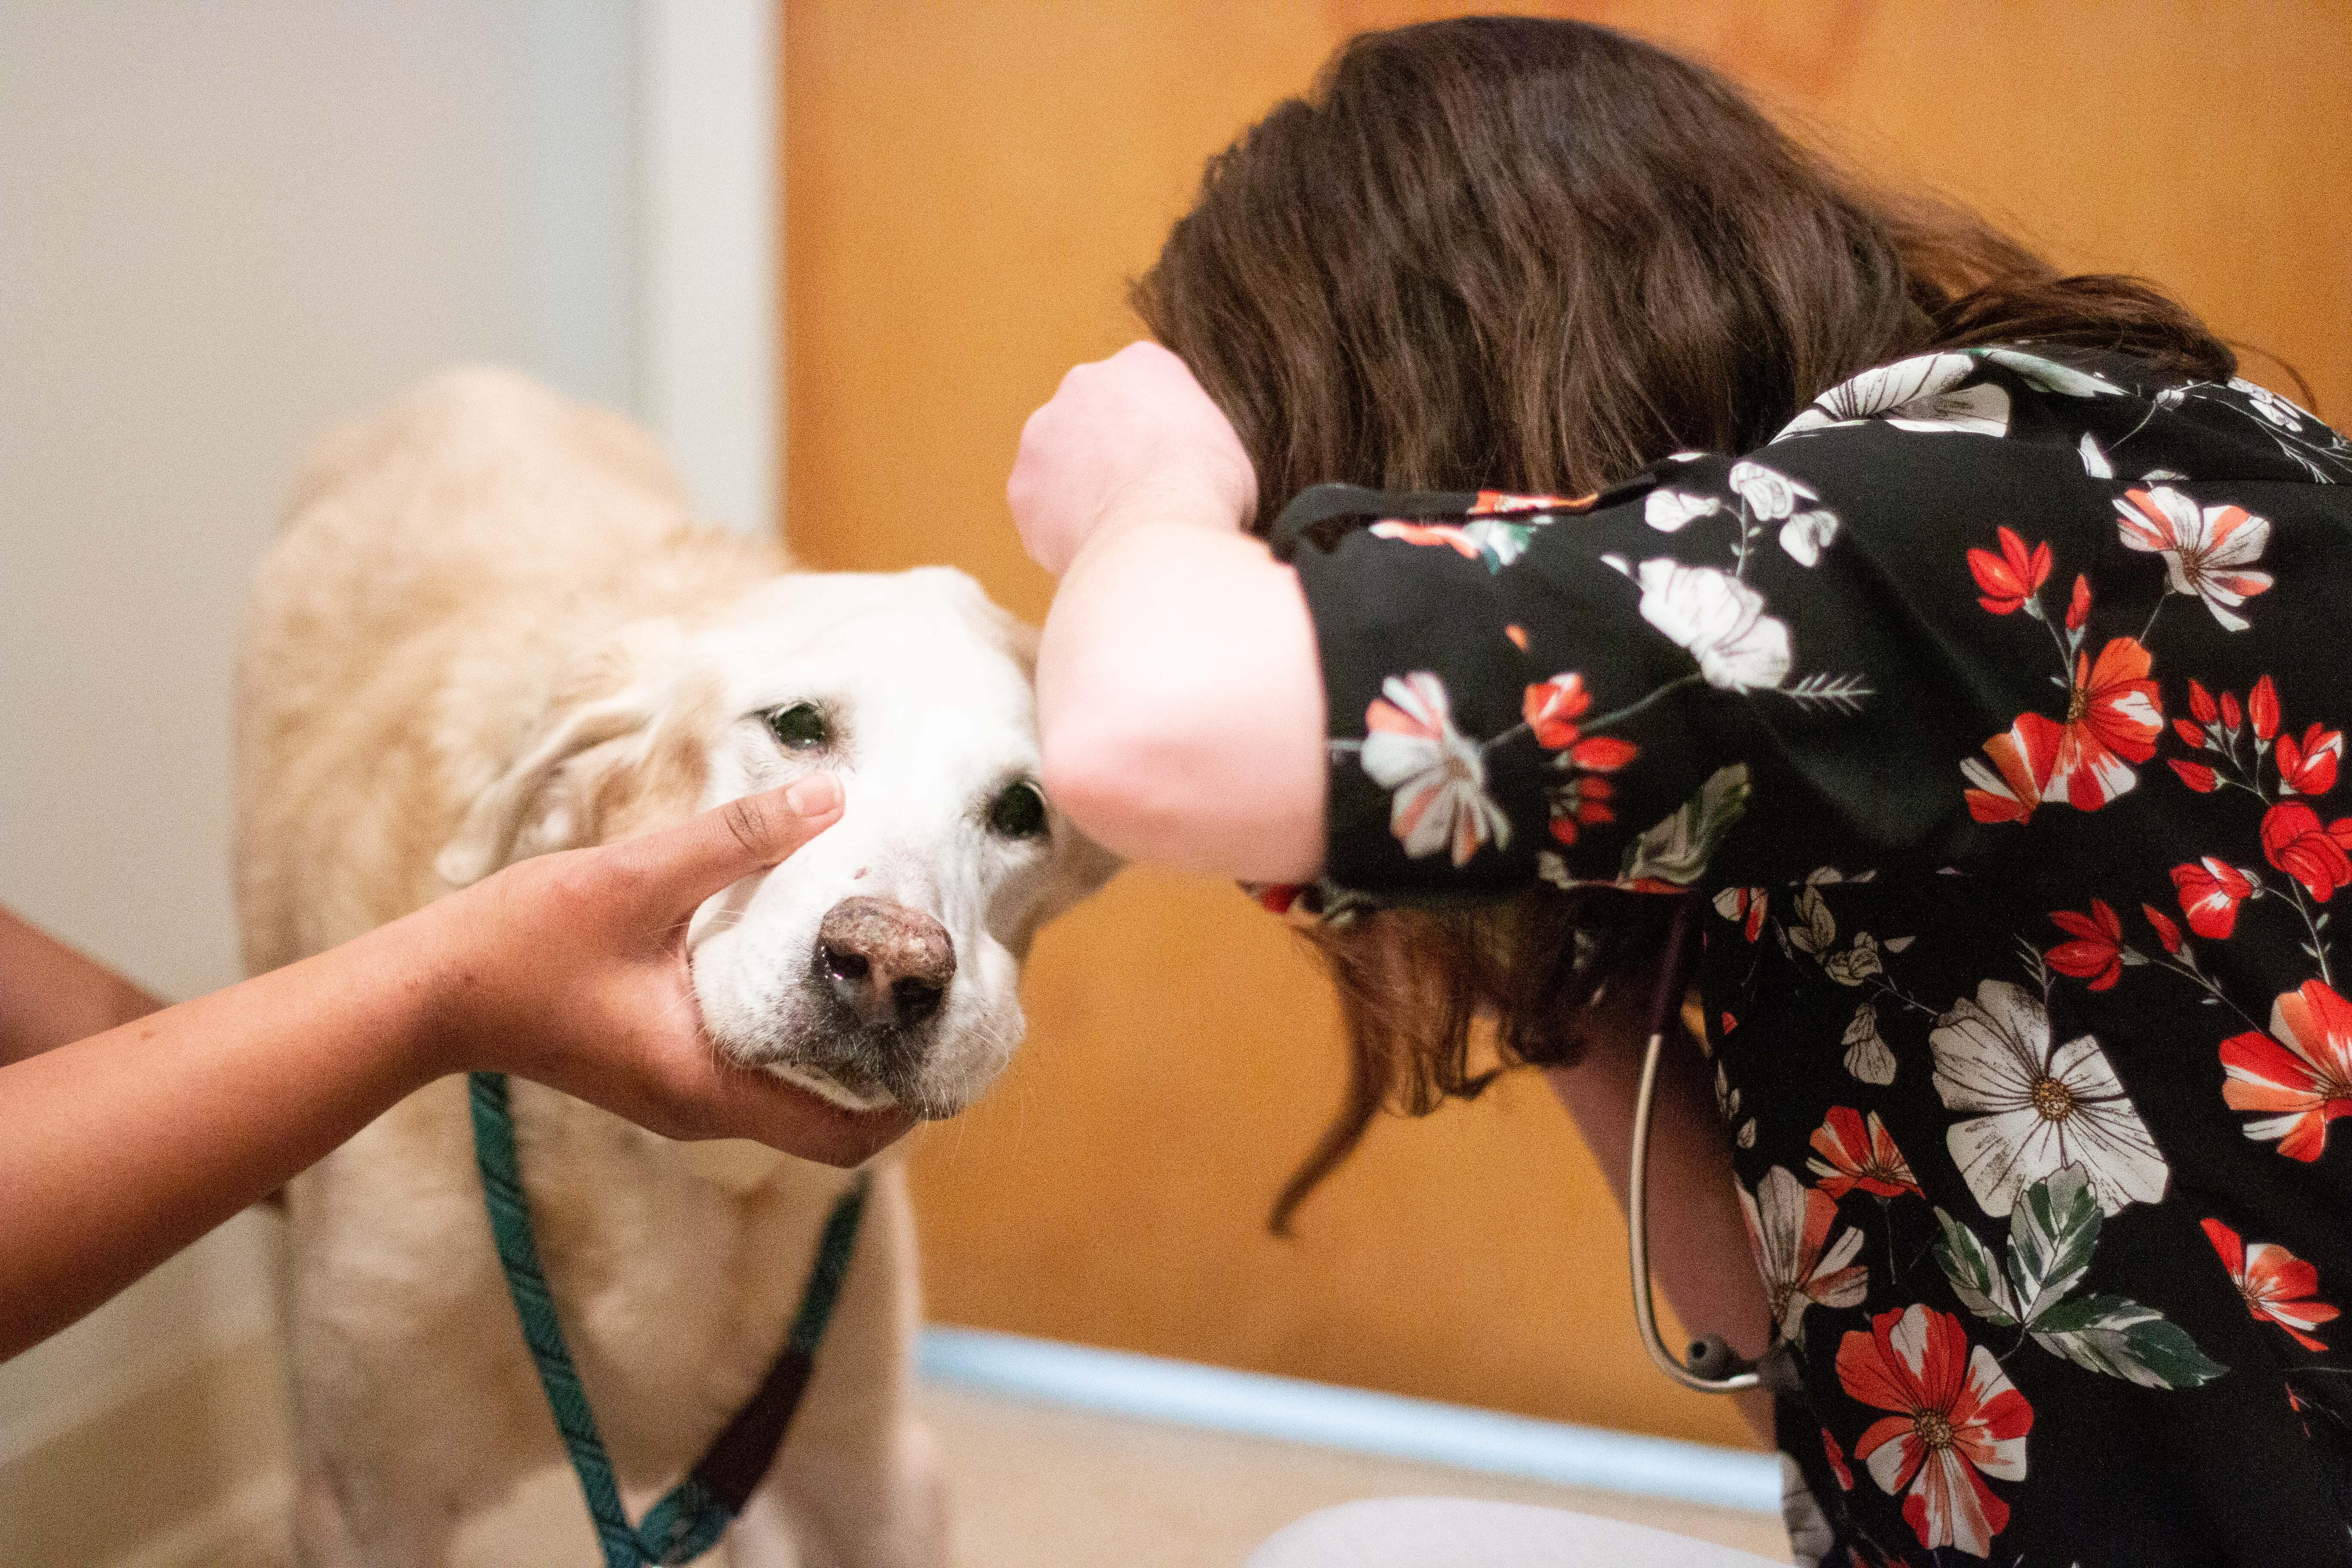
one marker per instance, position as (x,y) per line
(490,630)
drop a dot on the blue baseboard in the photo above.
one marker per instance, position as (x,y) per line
(1293,1410)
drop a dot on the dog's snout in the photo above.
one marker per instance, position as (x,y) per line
(885,963)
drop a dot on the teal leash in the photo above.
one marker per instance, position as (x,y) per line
(688,1520)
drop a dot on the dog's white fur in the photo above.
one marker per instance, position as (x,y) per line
(491,630)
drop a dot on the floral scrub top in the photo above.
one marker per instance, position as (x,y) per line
(1996,709)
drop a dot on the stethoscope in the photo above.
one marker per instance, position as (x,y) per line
(1710,1365)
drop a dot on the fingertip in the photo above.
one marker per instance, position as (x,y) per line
(817,796)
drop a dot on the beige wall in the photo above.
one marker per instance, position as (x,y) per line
(969,182)
(222,230)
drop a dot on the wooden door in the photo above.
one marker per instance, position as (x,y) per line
(970,182)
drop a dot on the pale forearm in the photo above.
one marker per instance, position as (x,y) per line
(1180,699)
(117,1150)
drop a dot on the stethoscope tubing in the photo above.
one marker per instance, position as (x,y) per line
(1710,1366)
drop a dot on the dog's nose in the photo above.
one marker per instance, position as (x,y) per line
(885,963)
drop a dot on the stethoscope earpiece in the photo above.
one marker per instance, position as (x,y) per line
(1712,1360)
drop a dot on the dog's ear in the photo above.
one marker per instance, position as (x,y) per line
(520,815)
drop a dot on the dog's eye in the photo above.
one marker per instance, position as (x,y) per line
(800,726)
(1019,811)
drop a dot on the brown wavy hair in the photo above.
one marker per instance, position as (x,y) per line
(1535,255)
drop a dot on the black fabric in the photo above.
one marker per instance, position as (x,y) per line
(2019,984)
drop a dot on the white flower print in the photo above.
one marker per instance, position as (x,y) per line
(2040,1109)
(1867,1055)
(1770,495)
(1816,930)
(2206,549)
(2094,461)
(1439,780)
(1502,541)
(1982,410)
(2049,376)
(1807,534)
(1856,963)
(2270,405)
(1719,619)
(1669,510)
(1922,394)
(1727,1103)
(1789,1226)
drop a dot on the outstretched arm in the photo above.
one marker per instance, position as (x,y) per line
(50,994)
(120,1149)
(1178,687)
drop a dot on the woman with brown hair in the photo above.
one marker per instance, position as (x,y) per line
(1759,578)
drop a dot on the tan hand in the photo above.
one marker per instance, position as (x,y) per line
(571,969)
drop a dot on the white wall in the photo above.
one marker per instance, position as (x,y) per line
(223,228)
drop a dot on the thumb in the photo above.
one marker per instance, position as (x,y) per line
(685,865)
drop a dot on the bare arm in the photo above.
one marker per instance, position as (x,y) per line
(50,994)
(1178,685)
(117,1150)
(1698,1242)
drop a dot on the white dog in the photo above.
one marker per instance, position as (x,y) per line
(488,631)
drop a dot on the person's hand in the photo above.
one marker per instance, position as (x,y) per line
(571,969)
(1131,432)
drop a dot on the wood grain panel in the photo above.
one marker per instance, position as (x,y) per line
(971,183)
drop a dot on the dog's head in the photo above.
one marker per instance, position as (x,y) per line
(881,963)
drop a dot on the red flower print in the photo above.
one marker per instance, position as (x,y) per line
(1836,1456)
(2312,855)
(1581,803)
(2166,932)
(1519,635)
(2308,766)
(2196,776)
(2011,579)
(1551,708)
(2301,1071)
(2009,790)
(2276,1284)
(1956,1420)
(2211,891)
(1853,1153)
(2114,714)
(1789,1226)
(1446,534)
(2096,954)
(2078,608)
(1278,897)
(2261,706)
(2201,702)
(2232,716)
(1746,905)
(1490,502)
